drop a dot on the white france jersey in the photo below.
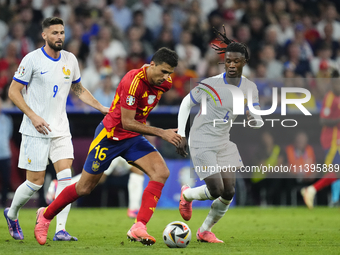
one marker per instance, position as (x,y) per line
(212,129)
(47,85)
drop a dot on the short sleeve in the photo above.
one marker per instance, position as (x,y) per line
(76,75)
(130,91)
(25,70)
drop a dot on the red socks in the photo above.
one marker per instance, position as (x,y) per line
(150,198)
(325,181)
(67,196)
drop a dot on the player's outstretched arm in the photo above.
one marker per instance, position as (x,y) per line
(183,114)
(129,123)
(88,98)
(14,93)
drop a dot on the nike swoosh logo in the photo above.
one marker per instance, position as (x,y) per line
(43,72)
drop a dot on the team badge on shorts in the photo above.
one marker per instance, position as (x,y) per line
(130,100)
(151,99)
(95,166)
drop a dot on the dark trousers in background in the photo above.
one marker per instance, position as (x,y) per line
(5,173)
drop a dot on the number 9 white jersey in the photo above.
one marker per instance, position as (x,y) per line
(48,83)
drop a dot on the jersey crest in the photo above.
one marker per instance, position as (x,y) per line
(66,72)
(151,99)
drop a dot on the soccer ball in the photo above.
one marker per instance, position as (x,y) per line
(177,235)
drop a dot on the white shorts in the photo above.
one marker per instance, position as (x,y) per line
(209,161)
(35,151)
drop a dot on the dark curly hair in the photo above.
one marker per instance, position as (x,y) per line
(232,46)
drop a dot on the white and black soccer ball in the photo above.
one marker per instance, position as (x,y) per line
(177,235)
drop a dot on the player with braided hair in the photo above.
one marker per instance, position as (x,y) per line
(232,46)
(213,154)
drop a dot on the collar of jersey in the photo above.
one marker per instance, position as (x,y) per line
(225,80)
(53,59)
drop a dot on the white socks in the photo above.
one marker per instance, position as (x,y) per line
(23,193)
(64,180)
(218,208)
(75,179)
(198,193)
(135,188)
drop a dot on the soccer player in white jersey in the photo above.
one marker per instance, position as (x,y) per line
(39,89)
(209,144)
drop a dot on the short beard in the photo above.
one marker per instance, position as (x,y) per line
(55,47)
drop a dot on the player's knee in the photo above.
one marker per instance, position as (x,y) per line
(229,193)
(215,191)
(161,175)
(36,179)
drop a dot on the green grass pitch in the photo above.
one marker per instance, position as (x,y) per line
(249,230)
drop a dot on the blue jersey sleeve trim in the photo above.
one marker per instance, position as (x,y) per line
(193,99)
(20,81)
(76,81)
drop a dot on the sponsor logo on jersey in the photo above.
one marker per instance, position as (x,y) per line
(151,99)
(29,160)
(130,100)
(21,70)
(95,166)
(66,72)
(145,94)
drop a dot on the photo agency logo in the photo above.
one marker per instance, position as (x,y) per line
(239,104)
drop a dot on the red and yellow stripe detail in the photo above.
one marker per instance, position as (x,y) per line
(329,100)
(135,82)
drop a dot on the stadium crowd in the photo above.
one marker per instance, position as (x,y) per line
(286,39)
(291,42)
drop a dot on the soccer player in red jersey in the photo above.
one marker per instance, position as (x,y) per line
(119,134)
(330,139)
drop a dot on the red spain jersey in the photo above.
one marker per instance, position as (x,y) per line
(134,92)
(330,136)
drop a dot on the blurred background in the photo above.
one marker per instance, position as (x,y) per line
(291,43)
